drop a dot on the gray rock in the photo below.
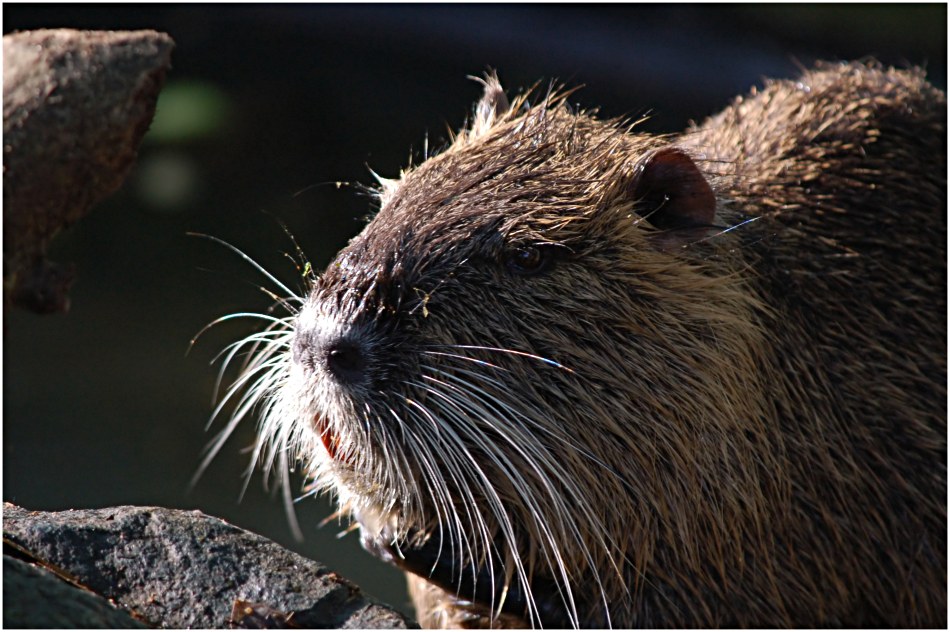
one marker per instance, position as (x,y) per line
(183,569)
(34,597)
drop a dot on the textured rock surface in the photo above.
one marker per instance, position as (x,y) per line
(34,597)
(75,107)
(183,569)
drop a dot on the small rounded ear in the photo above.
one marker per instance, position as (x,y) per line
(672,195)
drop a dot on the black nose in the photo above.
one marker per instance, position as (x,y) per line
(345,360)
(342,358)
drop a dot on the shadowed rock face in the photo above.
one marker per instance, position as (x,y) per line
(38,598)
(171,568)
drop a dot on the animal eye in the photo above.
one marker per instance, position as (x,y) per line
(527,260)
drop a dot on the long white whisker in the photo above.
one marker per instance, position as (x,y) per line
(450,437)
(451,411)
(283,288)
(268,371)
(511,413)
(457,475)
(516,414)
(256,362)
(236,315)
(524,354)
(541,462)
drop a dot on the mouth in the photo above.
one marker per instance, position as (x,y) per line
(331,442)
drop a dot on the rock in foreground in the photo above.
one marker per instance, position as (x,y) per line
(182,569)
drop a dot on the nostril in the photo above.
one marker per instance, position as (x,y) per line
(345,360)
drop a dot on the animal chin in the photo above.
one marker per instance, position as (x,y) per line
(425,560)
(481,586)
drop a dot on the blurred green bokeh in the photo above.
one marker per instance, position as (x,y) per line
(190,110)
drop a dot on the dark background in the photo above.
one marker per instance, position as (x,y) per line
(265,108)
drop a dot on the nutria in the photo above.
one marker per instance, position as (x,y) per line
(571,374)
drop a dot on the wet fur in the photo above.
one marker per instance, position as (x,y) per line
(743,426)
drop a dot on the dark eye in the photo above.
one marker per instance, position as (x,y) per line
(527,260)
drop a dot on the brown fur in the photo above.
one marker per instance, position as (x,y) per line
(739,427)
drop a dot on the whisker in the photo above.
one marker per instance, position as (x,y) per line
(287,291)
(495,503)
(524,354)
(474,404)
(459,480)
(453,408)
(564,439)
